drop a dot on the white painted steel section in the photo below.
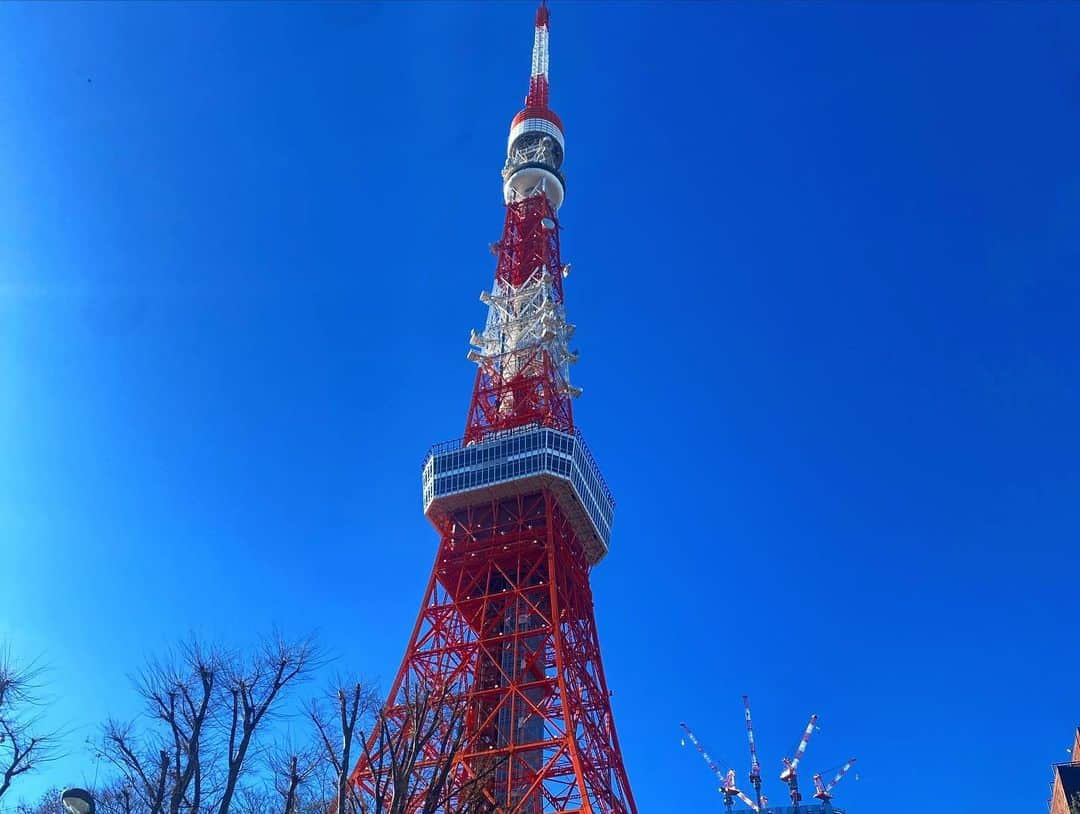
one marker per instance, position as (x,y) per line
(529,181)
(540,51)
(525,324)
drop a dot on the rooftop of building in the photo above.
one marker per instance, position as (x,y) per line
(1069,774)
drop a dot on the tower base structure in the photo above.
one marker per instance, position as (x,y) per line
(507,629)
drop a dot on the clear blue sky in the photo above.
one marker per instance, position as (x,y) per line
(825,276)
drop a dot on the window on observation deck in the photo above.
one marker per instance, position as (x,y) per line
(521,455)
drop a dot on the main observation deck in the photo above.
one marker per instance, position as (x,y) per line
(518,462)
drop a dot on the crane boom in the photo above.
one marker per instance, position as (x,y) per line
(839,774)
(705,755)
(727,781)
(790,766)
(804,742)
(755,767)
(750,804)
(823,791)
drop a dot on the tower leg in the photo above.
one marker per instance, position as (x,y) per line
(507,626)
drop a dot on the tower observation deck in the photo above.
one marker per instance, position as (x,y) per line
(506,637)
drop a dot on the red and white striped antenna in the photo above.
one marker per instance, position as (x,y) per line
(538,80)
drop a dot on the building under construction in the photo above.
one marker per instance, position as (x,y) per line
(752,796)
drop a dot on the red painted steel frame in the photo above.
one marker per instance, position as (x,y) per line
(507,625)
(532,392)
(506,630)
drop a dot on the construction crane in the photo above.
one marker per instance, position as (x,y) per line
(755,767)
(824,790)
(727,780)
(790,774)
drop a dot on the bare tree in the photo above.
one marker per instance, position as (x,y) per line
(411,762)
(291,769)
(255,687)
(116,798)
(47,803)
(179,693)
(24,743)
(206,708)
(253,799)
(206,743)
(165,767)
(144,768)
(336,718)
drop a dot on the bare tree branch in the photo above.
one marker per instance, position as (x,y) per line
(144,769)
(412,760)
(208,744)
(256,687)
(292,768)
(24,743)
(336,718)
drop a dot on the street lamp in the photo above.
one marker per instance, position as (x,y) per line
(77,801)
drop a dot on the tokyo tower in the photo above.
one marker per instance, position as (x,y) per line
(506,629)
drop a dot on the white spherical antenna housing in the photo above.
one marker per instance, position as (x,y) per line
(529,181)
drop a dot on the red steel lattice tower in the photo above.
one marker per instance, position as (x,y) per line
(506,628)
